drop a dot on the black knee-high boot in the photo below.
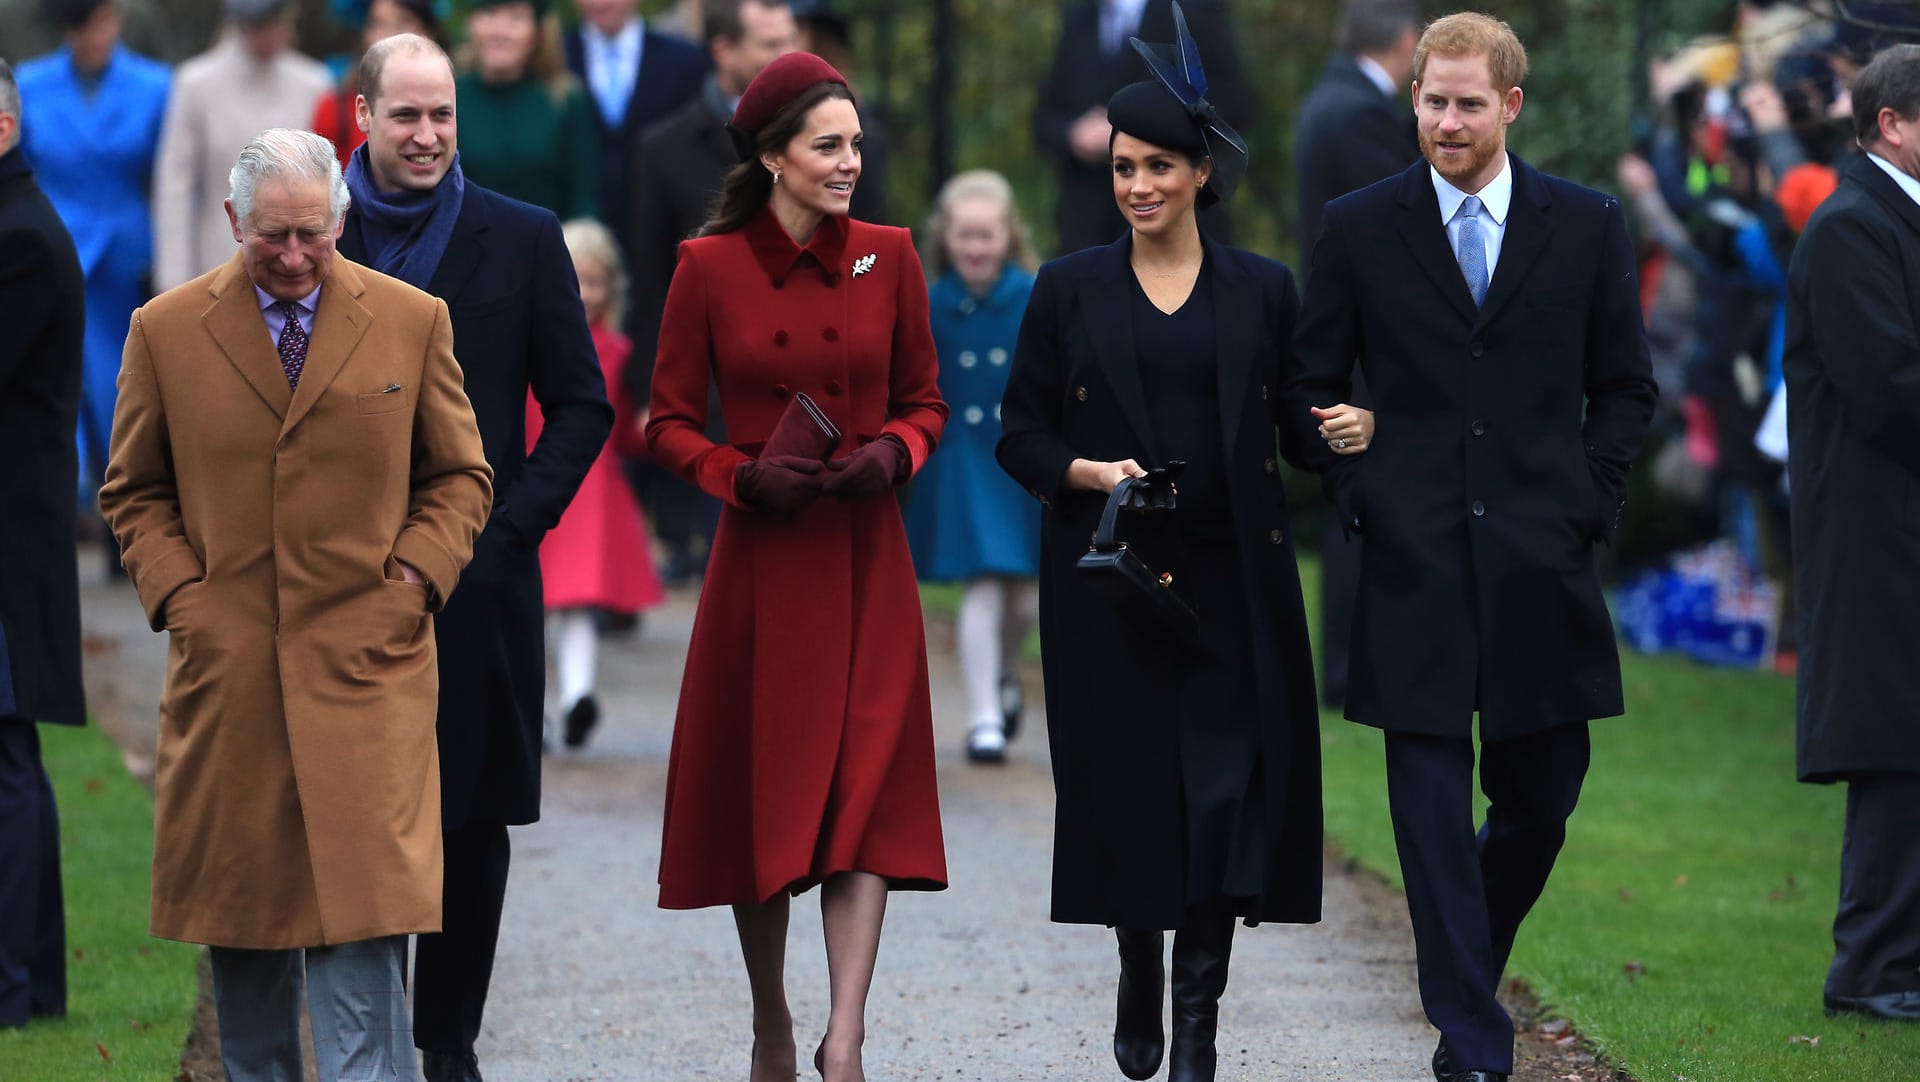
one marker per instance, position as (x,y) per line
(1201,949)
(1138,1040)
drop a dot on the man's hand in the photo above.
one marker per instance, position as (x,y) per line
(1766,109)
(1637,178)
(1089,136)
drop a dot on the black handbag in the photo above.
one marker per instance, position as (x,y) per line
(1116,572)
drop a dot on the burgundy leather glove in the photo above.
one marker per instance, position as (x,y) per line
(871,470)
(783,483)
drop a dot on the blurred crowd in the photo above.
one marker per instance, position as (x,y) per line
(1744,136)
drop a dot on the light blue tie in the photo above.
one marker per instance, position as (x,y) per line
(1473,250)
(610,88)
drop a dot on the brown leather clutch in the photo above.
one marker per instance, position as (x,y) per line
(803,431)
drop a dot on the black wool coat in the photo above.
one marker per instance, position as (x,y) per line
(1075,391)
(1853,423)
(43,297)
(518,326)
(1082,76)
(1347,135)
(1503,441)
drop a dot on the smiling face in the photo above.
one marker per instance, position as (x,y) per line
(1154,187)
(1463,119)
(819,167)
(503,37)
(977,240)
(410,126)
(287,239)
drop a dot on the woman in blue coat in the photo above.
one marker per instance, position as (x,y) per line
(91,127)
(967,521)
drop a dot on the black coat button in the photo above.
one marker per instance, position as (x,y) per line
(782,392)
(1479,508)
(1080,393)
(1275,536)
(1271,466)
(1477,349)
(833,387)
(1479,428)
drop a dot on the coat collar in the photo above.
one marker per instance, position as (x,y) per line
(466,248)
(949,294)
(1529,227)
(1105,298)
(780,257)
(13,165)
(237,327)
(1884,188)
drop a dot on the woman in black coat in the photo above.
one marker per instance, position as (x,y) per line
(1187,780)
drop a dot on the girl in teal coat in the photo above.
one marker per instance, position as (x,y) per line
(967,520)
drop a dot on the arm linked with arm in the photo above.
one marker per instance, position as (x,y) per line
(1326,342)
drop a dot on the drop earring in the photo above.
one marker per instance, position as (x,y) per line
(776,176)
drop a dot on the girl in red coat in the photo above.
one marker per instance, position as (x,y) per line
(803,750)
(595,560)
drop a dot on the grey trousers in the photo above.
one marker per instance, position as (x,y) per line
(1876,930)
(356,995)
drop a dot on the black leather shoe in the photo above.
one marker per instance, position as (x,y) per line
(1478,1076)
(450,1067)
(1139,1042)
(1888,1006)
(1201,950)
(581,719)
(1012,704)
(1443,1065)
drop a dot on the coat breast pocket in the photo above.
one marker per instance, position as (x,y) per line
(1557,296)
(391,400)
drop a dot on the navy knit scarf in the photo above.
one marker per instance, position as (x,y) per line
(406,232)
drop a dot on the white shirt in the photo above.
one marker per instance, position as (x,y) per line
(1907,184)
(613,65)
(1371,69)
(1496,199)
(1119,20)
(304,309)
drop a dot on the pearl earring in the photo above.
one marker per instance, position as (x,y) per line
(776,176)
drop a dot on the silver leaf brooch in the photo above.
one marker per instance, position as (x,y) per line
(863,264)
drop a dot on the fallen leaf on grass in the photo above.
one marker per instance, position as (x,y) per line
(1787,892)
(95,785)
(102,1049)
(1812,1042)
(1626,895)
(1556,1027)
(1679,880)
(1634,971)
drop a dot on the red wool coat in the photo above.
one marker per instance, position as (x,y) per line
(804,741)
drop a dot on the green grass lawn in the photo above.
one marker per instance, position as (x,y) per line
(1686,931)
(130,996)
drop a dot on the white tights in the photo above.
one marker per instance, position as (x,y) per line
(996,615)
(575,634)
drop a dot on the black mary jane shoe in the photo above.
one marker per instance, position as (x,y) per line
(1012,705)
(1139,1042)
(581,718)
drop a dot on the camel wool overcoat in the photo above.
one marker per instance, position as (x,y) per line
(297,799)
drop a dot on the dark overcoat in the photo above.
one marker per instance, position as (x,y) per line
(43,296)
(1853,419)
(1112,692)
(1082,77)
(518,326)
(1347,135)
(1503,444)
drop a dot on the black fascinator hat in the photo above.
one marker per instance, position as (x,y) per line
(1172,111)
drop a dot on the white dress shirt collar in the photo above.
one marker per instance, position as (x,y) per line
(625,43)
(1496,197)
(304,308)
(1907,184)
(1371,69)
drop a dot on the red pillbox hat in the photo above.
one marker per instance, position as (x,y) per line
(777,84)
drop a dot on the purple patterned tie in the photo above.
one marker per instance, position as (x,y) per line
(293,343)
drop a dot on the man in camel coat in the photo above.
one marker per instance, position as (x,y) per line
(296,480)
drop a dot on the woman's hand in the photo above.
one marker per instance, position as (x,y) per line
(1101,476)
(1348,430)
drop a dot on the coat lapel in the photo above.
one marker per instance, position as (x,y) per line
(1529,228)
(237,327)
(337,328)
(466,249)
(1236,297)
(1104,300)
(1418,219)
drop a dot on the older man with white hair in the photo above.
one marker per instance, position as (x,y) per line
(296,480)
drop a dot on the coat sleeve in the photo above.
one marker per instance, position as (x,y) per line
(452,485)
(1033,448)
(1862,323)
(682,372)
(564,375)
(28,284)
(175,184)
(1619,374)
(916,414)
(1326,342)
(141,500)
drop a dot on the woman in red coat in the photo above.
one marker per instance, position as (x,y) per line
(803,749)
